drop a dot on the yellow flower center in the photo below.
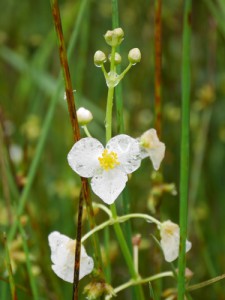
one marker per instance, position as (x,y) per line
(146,144)
(109,160)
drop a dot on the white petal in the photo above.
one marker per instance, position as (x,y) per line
(109,184)
(57,244)
(188,245)
(62,256)
(157,154)
(86,266)
(170,246)
(170,240)
(152,147)
(64,272)
(83,157)
(128,152)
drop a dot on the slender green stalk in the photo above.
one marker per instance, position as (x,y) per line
(118,230)
(119,219)
(184,161)
(141,281)
(28,263)
(86,131)
(158,59)
(205,283)
(123,244)
(120,124)
(9,269)
(118,90)
(107,254)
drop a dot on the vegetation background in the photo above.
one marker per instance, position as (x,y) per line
(29,81)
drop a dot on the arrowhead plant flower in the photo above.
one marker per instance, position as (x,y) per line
(62,256)
(170,240)
(152,147)
(107,166)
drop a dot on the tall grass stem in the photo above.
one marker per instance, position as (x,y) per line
(185,140)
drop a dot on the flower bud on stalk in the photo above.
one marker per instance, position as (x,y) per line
(117,60)
(99,58)
(114,37)
(134,56)
(84,116)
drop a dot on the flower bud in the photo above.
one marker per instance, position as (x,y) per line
(118,58)
(114,37)
(84,116)
(134,56)
(99,58)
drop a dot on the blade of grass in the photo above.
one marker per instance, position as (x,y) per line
(9,269)
(185,137)
(158,58)
(28,263)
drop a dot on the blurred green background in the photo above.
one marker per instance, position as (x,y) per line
(29,77)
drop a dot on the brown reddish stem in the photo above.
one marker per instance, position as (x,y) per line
(85,192)
(158,64)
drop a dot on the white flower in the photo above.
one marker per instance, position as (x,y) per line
(152,147)
(63,256)
(170,240)
(84,116)
(108,167)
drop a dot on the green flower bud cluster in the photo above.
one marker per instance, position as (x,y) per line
(114,38)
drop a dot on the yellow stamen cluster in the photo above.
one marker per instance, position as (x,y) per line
(109,160)
(146,144)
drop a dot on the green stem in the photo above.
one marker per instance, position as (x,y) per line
(103,207)
(158,59)
(141,281)
(205,283)
(115,219)
(108,123)
(28,263)
(117,228)
(120,77)
(107,254)
(118,91)
(9,269)
(86,131)
(184,161)
(120,125)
